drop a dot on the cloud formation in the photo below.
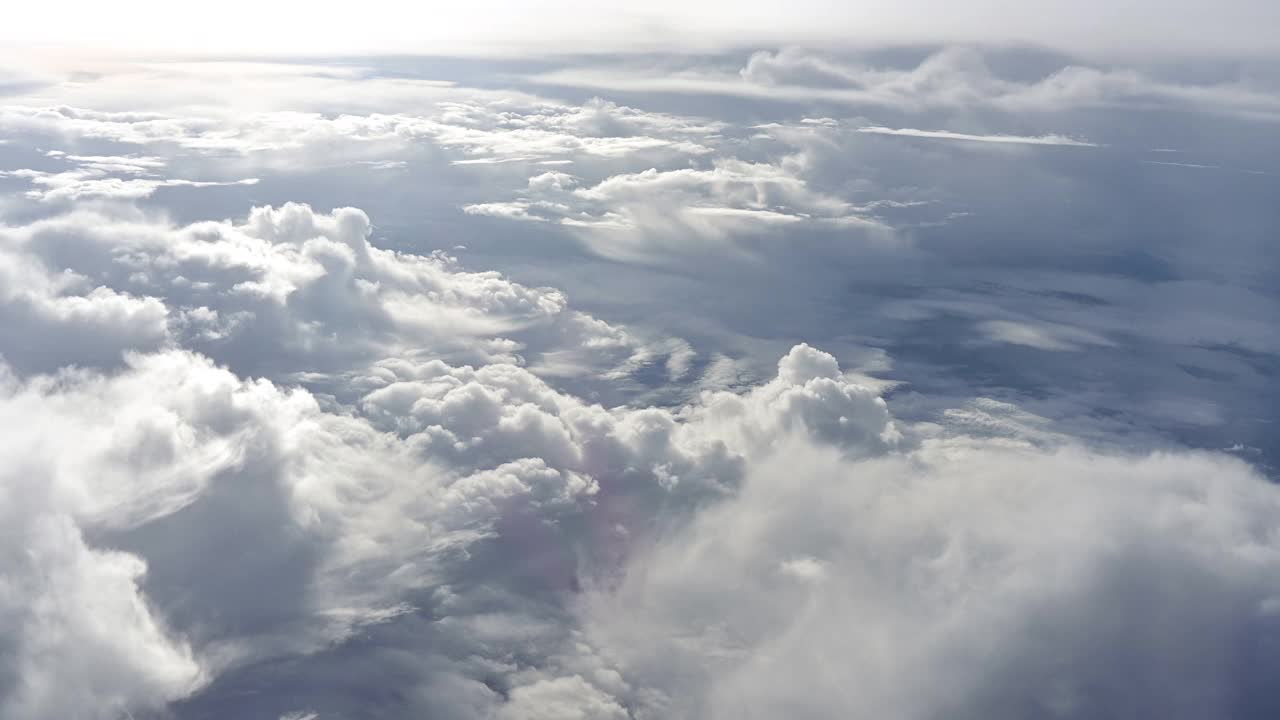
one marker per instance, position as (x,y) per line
(288,292)
(951,78)
(633,215)
(308,524)
(947,135)
(115,177)
(868,557)
(484,131)
(301,463)
(969,578)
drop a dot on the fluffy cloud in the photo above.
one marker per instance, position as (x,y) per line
(288,292)
(550,130)
(56,318)
(175,523)
(971,578)
(266,526)
(653,212)
(777,548)
(80,638)
(296,474)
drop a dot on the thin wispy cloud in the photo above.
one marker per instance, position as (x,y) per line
(1200,166)
(1062,140)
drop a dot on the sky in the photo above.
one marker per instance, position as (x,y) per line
(598,362)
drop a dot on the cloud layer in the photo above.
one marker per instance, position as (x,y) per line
(730,394)
(182,525)
(966,579)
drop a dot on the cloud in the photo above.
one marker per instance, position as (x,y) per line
(278,466)
(571,698)
(947,135)
(507,132)
(98,176)
(57,318)
(975,578)
(74,185)
(287,292)
(1199,166)
(637,215)
(949,79)
(1043,336)
(538,555)
(485,131)
(267,527)
(231,522)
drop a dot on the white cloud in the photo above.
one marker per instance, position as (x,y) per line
(271,527)
(295,456)
(564,698)
(783,545)
(286,291)
(80,637)
(74,185)
(228,521)
(174,438)
(56,318)
(950,79)
(642,214)
(510,131)
(972,578)
(244,133)
(484,130)
(1004,139)
(1043,336)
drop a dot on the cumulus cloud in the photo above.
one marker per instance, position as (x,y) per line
(634,215)
(498,131)
(288,292)
(57,318)
(268,527)
(269,466)
(971,578)
(780,545)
